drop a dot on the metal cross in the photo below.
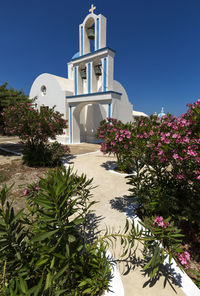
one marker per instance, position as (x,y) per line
(92,8)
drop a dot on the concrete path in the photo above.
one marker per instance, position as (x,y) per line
(109,193)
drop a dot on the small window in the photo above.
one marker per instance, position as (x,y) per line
(43,90)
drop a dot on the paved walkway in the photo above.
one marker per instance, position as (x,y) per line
(109,193)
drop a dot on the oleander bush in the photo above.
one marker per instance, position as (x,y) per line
(35,127)
(117,138)
(167,180)
(44,251)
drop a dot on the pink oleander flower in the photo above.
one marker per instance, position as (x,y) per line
(120,139)
(184,259)
(37,188)
(160,152)
(180,177)
(198,159)
(25,192)
(159,221)
(145,135)
(192,153)
(175,156)
(166,141)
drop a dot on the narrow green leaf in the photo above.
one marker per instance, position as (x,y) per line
(43,235)
(48,282)
(23,285)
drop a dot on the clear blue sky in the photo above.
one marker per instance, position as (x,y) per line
(157,45)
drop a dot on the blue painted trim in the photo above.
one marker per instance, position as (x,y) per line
(109,110)
(97,34)
(70,122)
(92,53)
(75,81)
(95,94)
(81,41)
(105,74)
(89,78)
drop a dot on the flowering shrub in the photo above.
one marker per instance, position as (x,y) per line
(168,183)
(34,128)
(117,138)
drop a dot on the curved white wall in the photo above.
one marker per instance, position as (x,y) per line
(57,88)
(121,109)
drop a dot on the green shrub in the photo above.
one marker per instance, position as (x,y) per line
(45,251)
(9,97)
(43,155)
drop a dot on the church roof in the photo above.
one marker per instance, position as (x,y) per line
(76,55)
(139,113)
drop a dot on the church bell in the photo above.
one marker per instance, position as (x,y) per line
(91,33)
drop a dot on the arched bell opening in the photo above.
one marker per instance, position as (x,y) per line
(82,78)
(97,70)
(90,33)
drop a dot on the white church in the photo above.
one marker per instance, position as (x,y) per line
(90,93)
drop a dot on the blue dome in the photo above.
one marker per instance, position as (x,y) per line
(76,55)
(161,114)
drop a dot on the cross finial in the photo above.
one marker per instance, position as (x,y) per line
(92,8)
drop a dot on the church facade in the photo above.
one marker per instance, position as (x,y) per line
(90,93)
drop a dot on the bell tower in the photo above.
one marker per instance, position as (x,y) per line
(92,33)
(96,95)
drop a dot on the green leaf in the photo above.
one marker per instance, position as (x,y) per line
(41,262)
(88,290)
(52,263)
(60,273)
(83,283)
(23,285)
(58,293)
(48,282)
(38,287)
(71,238)
(17,216)
(43,235)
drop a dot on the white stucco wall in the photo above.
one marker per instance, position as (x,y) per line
(57,88)
(121,109)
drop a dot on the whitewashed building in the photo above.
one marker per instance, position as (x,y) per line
(90,93)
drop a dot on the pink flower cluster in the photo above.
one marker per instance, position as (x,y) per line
(117,139)
(174,141)
(184,259)
(160,222)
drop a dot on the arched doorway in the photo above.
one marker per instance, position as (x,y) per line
(86,119)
